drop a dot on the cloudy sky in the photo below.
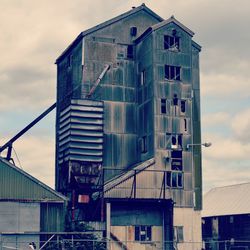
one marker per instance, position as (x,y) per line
(34,33)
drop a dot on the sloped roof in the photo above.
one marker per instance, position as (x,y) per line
(162,24)
(228,200)
(142,7)
(16,184)
(125,176)
(172,20)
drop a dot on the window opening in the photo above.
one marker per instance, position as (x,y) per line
(174,179)
(183,106)
(130,51)
(185,124)
(172,43)
(173,72)
(176,141)
(133,31)
(143,233)
(144,144)
(176,160)
(178,234)
(143,75)
(163,106)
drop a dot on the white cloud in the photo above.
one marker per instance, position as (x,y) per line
(241,125)
(36,155)
(215,119)
(225,86)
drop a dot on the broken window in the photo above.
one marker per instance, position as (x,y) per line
(176,141)
(173,72)
(176,160)
(163,106)
(178,234)
(142,79)
(143,233)
(144,145)
(130,52)
(174,179)
(172,43)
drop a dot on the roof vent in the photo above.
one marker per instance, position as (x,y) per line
(143,4)
(133,7)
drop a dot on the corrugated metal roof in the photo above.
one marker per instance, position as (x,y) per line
(228,200)
(16,184)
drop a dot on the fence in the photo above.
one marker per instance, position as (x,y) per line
(95,241)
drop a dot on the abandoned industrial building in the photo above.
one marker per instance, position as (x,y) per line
(226,218)
(128,140)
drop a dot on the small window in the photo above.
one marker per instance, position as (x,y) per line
(178,234)
(183,106)
(130,52)
(142,79)
(185,124)
(172,43)
(133,31)
(143,233)
(172,72)
(163,106)
(144,145)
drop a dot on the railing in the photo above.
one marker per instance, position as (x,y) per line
(95,241)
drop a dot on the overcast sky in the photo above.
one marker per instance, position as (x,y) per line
(34,33)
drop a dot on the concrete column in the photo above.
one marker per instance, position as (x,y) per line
(108,224)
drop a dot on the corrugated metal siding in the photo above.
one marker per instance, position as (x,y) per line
(52,217)
(16,184)
(81,132)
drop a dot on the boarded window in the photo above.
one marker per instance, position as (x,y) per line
(143,233)
(172,43)
(172,72)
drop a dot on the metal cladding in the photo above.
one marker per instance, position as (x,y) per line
(81,132)
(151,107)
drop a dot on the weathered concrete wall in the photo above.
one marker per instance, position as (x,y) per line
(19,217)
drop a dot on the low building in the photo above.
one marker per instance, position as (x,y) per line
(226,218)
(28,209)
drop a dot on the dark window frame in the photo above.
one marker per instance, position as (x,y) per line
(172,72)
(172,43)
(143,233)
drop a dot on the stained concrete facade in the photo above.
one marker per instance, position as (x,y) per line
(151,101)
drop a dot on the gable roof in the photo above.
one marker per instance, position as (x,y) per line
(16,184)
(134,10)
(162,24)
(228,200)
